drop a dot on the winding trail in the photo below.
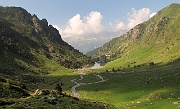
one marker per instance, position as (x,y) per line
(73,89)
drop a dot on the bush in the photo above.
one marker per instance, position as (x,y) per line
(113,70)
(58,88)
(45,92)
(151,64)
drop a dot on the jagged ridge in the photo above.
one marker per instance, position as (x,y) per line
(23,37)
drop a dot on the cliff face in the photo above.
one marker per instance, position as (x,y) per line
(24,37)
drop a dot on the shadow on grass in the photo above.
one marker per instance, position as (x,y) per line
(137,83)
(152,77)
(155,82)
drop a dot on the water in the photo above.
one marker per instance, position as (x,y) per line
(96,66)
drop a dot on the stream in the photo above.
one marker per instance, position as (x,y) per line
(73,89)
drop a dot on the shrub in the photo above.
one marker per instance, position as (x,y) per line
(151,64)
(113,69)
(58,88)
(45,92)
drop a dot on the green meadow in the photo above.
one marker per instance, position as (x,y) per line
(156,87)
(142,70)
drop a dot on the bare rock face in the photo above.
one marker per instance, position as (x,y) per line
(37,25)
(134,33)
(44,21)
(55,33)
(30,34)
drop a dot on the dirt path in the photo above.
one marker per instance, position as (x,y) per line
(73,89)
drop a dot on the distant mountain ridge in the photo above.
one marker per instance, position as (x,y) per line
(92,41)
(156,40)
(24,38)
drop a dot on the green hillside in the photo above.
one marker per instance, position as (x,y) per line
(33,57)
(154,41)
(38,70)
(142,67)
(23,37)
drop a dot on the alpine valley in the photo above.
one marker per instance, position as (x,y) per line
(41,71)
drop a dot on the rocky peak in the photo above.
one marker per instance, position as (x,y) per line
(135,32)
(55,33)
(36,23)
(44,21)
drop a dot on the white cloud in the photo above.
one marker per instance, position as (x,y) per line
(74,26)
(134,18)
(80,30)
(77,26)
(91,23)
(120,26)
(153,14)
(117,26)
(94,22)
(138,16)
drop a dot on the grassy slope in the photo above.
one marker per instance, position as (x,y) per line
(35,59)
(144,86)
(51,102)
(57,74)
(153,87)
(156,40)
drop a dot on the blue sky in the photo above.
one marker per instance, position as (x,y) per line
(90,20)
(60,11)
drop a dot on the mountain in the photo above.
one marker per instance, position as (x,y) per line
(30,47)
(92,41)
(24,37)
(33,57)
(154,41)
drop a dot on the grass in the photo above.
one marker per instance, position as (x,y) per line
(142,87)
(158,42)
(137,84)
(146,86)
(90,78)
(56,74)
(52,102)
(157,88)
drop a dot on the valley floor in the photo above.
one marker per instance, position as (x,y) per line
(146,88)
(155,87)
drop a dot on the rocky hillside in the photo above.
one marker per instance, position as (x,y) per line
(25,39)
(156,40)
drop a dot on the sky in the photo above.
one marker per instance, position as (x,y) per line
(91,20)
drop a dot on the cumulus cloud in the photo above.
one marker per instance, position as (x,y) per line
(94,22)
(81,26)
(138,16)
(153,14)
(134,18)
(118,26)
(91,24)
(74,26)
(82,29)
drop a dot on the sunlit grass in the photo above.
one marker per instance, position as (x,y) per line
(140,89)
